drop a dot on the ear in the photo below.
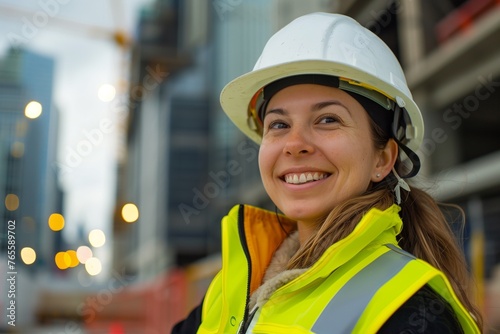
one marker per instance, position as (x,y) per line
(386,158)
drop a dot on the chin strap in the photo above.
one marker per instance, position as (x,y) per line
(401,184)
(399,133)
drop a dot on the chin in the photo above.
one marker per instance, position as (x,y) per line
(303,215)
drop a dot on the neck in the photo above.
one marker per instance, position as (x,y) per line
(306,230)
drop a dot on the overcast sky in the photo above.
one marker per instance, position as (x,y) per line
(85,58)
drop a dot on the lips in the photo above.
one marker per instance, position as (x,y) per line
(305,177)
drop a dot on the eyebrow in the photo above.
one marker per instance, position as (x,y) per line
(316,107)
(324,104)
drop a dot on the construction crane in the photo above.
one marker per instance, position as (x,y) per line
(46,14)
(49,14)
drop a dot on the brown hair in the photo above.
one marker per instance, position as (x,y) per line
(426,233)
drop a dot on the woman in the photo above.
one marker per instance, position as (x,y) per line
(357,250)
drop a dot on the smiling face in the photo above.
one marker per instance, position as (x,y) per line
(317,151)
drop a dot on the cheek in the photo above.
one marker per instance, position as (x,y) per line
(263,161)
(267,160)
(366,162)
(344,152)
(347,154)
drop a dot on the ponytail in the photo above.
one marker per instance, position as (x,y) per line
(427,235)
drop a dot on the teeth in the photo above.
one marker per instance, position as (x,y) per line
(304,177)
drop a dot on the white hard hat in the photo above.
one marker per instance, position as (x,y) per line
(325,44)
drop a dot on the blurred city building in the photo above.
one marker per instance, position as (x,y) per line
(28,143)
(167,147)
(28,180)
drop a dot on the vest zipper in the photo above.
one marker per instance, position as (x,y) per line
(243,241)
(242,328)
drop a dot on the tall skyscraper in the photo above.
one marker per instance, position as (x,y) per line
(28,135)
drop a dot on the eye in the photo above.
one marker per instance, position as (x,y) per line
(328,119)
(278,125)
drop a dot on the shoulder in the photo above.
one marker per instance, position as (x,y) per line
(425,312)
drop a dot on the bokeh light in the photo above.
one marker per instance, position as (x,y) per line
(28,255)
(17,149)
(56,222)
(11,202)
(97,238)
(106,93)
(84,253)
(33,110)
(130,213)
(73,257)
(63,260)
(93,266)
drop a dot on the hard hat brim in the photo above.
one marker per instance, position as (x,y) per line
(235,97)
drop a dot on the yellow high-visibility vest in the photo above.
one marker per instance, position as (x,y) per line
(355,286)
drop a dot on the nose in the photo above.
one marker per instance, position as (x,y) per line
(298,143)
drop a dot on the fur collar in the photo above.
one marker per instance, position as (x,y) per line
(276,274)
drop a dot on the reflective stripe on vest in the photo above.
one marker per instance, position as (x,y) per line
(345,309)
